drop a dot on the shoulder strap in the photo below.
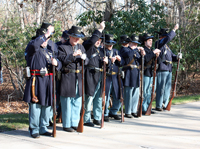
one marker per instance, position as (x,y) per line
(46,55)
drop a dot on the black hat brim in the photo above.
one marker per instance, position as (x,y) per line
(110,42)
(76,35)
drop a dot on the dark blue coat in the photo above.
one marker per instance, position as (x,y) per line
(113,78)
(91,76)
(132,76)
(69,80)
(149,62)
(37,60)
(166,53)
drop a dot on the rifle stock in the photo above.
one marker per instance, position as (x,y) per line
(174,87)
(148,112)
(139,113)
(54,97)
(121,96)
(103,93)
(81,122)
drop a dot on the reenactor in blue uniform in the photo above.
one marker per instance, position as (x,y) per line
(112,84)
(71,54)
(149,60)
(164,72)
(132,58)
(63,38)
(93,77)
(38,90)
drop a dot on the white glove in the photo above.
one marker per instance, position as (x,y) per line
(179,55)
(83,56)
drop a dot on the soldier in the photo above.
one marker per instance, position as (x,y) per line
(71,54)
(132,59)
(93,77)
(112,86)
(164,72)
(63,38)
(38,90)
(149,60)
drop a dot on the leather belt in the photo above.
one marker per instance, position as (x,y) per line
(72,71)
(130,66)
(168,62)
(111,73)
(37,73)
(95,68)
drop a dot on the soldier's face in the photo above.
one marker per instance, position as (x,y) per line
(109,47)
(148,43)
(98,42)
(133,45)
(73,40)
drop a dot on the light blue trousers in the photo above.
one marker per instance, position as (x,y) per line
(71,108)
(164,79)
(38,118)
(131,97)
(116,102)
(147,90)
(97,104)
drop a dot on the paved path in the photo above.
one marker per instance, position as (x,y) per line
(179,128)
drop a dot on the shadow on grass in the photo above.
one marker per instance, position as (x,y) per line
(13,121)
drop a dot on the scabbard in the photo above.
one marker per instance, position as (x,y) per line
(34,98)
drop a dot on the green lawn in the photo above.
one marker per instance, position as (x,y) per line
(181,100)
(13,121)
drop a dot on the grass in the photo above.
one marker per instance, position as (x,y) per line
(13,121)
(181,100)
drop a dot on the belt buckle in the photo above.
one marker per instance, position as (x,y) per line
(101,69)
(77,71)
(113,73)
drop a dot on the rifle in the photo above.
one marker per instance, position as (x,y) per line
(80,125)
(175,82)
(54,97)
(104,87)
(139,113)
(121,95)
(148,112)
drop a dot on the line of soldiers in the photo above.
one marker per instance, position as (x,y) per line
(67,55)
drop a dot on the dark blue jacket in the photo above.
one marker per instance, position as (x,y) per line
(37,60)
(91,76)
(69,80)
(149,62)
(113,68)
(132,76)
(166,54)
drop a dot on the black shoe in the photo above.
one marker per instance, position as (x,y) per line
(75,128)
(106,119)
(89,124)
(128,115)
(152,112)
(143,112)
(36,135)
(164,108)
(134,115)
(68,129)
(116,117)
(97,122)
(159,109)
(47,134)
